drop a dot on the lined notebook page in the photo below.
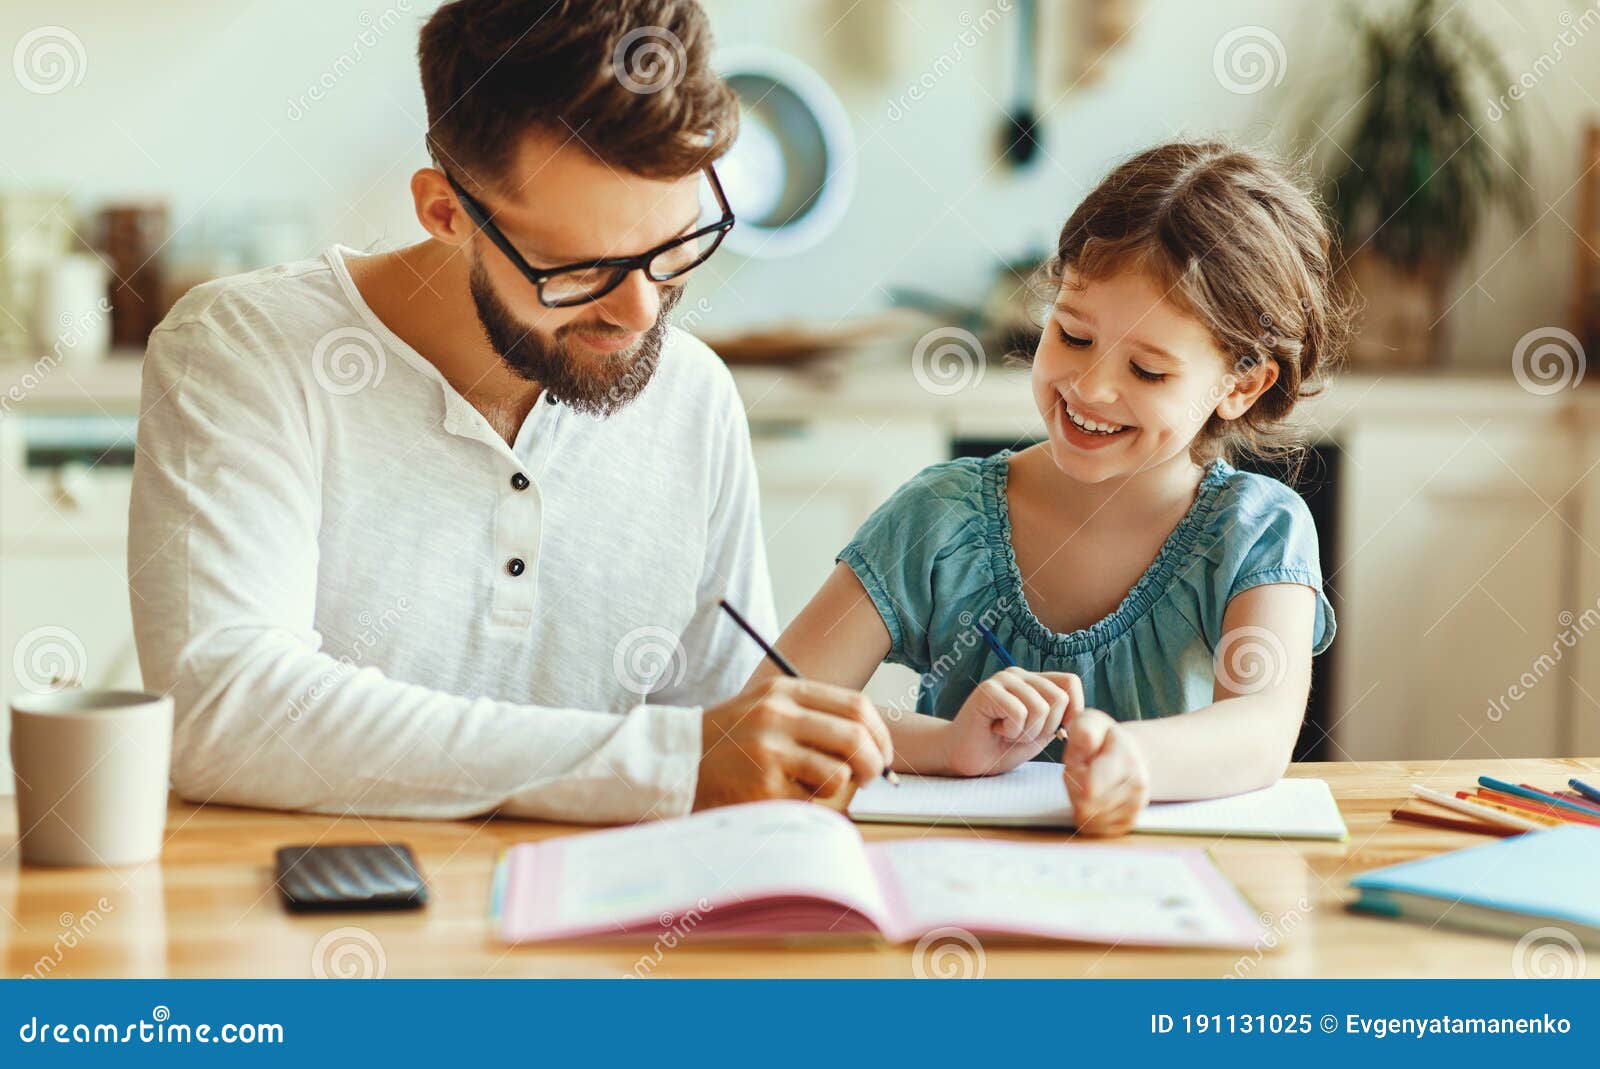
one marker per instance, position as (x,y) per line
(1030,796)
(1034,796)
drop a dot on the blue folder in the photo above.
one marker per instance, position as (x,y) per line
(1507,887)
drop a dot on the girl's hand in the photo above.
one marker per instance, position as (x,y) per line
(1008,719)
(1107,779)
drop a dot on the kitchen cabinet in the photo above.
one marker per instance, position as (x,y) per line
(1584,603)
(64,609)
(1453,539)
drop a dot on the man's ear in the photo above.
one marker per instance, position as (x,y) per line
(440,214)
(1244,388)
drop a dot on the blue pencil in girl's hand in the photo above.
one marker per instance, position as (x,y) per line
(994,644)
(1010,662)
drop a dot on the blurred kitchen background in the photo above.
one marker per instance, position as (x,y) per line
(902,167)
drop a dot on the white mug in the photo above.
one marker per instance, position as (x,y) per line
(91,769)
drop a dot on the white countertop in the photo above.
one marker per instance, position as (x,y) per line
(111,384)
(879,385)
(998,403)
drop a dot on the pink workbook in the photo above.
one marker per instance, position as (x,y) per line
(795,869)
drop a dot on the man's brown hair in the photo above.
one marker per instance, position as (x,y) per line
(630,80)
(1236,240)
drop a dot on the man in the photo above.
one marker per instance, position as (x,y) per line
(417,534)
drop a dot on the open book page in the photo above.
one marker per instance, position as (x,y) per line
(723,859)
(1108,894)
(1033,795)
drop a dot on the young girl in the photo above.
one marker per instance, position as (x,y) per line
(1162,607)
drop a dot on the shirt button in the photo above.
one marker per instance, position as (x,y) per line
(515,565)
(551,398)
(519,481)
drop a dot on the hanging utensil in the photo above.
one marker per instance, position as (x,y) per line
(1020,136)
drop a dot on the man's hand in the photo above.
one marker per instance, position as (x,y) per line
(789,738)
(1008,719)
(1107,779)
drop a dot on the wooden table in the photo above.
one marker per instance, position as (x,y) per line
(208,907)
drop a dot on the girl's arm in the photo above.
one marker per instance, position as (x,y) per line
(840,638)
(1245,738)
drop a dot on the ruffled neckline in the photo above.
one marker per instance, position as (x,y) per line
(1138,601)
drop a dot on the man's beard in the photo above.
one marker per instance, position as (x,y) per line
(598,384)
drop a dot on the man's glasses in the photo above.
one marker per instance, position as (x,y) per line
(590,280)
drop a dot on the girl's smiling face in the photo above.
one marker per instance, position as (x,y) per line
(1125,377)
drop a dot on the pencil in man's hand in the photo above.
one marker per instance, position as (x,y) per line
(781,661)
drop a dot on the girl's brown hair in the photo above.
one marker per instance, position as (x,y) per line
(1241,245)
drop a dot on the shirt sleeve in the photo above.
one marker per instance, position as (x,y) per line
(927,538)
(719,657)
(1271,538)
(223,559)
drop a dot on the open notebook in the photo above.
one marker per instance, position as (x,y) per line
(1033,796)
(796,869)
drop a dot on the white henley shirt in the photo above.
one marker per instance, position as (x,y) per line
(362,600)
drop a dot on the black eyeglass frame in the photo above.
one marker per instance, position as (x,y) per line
(623,265)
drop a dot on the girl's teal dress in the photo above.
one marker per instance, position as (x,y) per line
(936,559)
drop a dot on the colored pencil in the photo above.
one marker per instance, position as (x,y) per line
(1567,796)
(1570,797)
(1476,809)
(1575,817)
(1574,796)
(1507,804)
(1584,789)
(1528,792)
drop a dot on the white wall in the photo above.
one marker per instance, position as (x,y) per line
(204,103)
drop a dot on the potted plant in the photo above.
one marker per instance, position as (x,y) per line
(1425,156)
